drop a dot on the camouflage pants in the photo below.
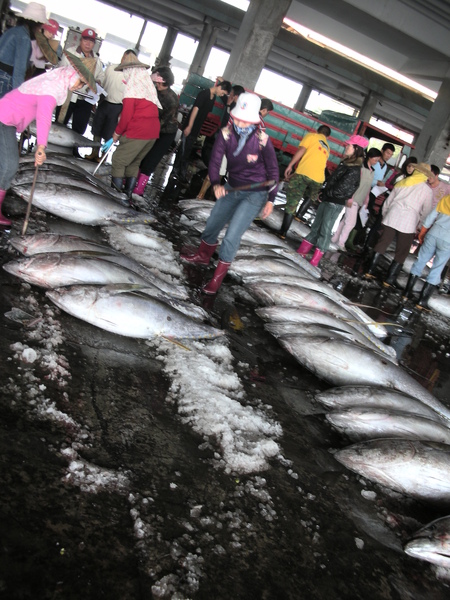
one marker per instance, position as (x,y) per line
(300,187)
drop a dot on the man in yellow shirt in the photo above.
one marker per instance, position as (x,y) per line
(311,156)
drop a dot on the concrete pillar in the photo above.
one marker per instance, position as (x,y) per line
(303,98)
(207,41)
(368,107)
(164,55)
(254,41)
(432,144)
(141,35)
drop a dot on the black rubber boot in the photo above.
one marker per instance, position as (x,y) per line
(373,263)
(392,274)
(287,221)
(303,209)
(349,243)
(117,183)
(130,184)
(425,295)
(407,292)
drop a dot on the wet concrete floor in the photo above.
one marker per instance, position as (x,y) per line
(165,522)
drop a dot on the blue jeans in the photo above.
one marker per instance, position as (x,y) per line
(9,155)
(238,209)
(432,246)
(320,234)
(5,83)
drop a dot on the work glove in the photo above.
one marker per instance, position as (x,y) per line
(107,145)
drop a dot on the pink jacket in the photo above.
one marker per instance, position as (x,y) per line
(19,110)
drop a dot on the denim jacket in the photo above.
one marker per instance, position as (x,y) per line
(15,50)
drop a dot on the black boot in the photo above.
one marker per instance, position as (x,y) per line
(303,209)
(373,263)
(349,243)
(130,184)
(425,294)
(287,221)
(117,183)
(407,292)
(392,274)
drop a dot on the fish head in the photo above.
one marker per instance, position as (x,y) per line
(34,269)
(432,543)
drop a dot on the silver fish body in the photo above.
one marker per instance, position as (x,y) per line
(336,330)
(345,363)
(415,468)
(129,313)
(372,396)
(79,206)
(362,423)
(62,136)
(55,270)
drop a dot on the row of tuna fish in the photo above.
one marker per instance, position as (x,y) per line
(402,431)
(107,288)
(66,190)
(94,281)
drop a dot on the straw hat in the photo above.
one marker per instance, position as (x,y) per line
(247,108)
(84,68)
(423,168)
(47,48)
(131,61)
(34,12)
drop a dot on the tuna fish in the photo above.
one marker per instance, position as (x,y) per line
(320,329)
(79,206)
(302,314)
(362,423)
(411,467)
(41,243)
(260,266)
(441,304)
(62,136)
(57,176)
(56,270)
(344,363)
(73,246)
(296,295)
(347,396)
(131,313)
(432,543)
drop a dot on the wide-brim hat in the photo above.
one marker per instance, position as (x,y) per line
(131,61)
(247,108)
(47,48)
(423,168)
(84,68)
(35,12)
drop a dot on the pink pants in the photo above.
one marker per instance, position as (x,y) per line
(346,225)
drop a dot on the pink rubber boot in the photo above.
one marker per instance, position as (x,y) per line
(304,248)
(202,256)
(140,185)
(3,219)
(316,257)
(213,286)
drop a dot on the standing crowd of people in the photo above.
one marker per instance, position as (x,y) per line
(138,110)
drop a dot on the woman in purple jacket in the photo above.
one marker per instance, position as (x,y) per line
(251,159)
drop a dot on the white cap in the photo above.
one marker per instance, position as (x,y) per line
(35,12)
(247,108)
